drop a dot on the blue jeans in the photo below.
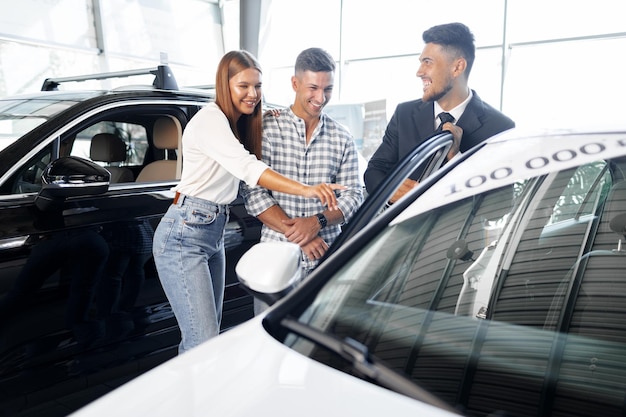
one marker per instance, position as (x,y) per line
(189,255)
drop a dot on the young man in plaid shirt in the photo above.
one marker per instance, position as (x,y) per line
(305,144)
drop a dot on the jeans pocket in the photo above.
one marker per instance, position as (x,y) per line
(162,234)
(199,217)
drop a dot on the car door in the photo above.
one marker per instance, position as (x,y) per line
(81,306)
(425,158)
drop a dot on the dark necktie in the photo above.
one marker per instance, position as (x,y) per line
(445,118)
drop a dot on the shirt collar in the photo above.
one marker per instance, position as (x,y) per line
(455,112)
(295,118)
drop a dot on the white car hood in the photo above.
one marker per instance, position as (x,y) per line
(246,372)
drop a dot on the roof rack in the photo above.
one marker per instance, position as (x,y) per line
(203,87)
(163,78)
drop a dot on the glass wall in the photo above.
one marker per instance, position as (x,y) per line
(57,38)
(533,56)
(189,31)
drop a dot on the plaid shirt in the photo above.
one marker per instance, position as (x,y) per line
(330,157)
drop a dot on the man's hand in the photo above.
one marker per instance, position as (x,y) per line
(315,248)
(404,188)
(457,134)
(301,230)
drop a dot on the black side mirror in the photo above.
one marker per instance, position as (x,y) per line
(70,176)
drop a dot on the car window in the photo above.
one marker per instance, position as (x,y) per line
(133,136)
(578,197)
(122,140)
(119,147)
(511,299)
(28,177)
(19,116)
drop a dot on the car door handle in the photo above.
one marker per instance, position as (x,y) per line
(13,242)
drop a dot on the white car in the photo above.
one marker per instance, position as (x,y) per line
(496,287)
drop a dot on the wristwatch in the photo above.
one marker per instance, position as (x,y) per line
(322,220)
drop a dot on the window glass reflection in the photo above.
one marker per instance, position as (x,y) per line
(534,20)
(529,77)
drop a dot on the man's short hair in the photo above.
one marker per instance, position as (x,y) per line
(315,60)
(453,36)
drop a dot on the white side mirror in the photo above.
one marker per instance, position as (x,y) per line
(269,270)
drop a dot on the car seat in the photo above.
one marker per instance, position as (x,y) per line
(111,149)
(167,134)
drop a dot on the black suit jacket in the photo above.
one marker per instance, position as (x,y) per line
(414,121)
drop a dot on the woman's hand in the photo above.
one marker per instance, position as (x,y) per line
(272,180)
(326,193)
(273,112)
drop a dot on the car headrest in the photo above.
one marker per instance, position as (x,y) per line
(167,133)
(107,147)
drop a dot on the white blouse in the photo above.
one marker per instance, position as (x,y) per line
(214,161)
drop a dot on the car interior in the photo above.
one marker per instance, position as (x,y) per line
(141,147)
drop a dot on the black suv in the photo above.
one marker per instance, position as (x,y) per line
(84,179)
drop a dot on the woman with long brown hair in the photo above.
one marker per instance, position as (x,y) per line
(221,147)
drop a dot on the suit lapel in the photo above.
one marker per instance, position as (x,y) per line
(470,119)
(424,119)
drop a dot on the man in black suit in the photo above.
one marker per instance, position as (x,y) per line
(445,65)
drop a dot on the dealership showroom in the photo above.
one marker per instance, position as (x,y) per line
(437,276)
(526,51)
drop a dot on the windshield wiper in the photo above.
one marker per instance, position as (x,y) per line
(362,361)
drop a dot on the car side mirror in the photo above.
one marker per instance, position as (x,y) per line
(70,176)
(270,270)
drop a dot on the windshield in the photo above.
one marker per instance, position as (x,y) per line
(19,116)
(509,300)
